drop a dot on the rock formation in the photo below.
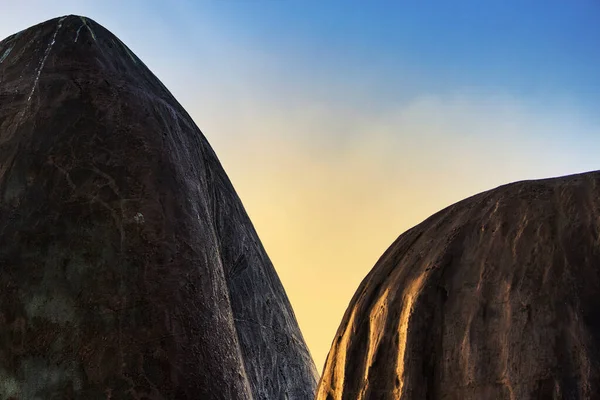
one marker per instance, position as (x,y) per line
(128,266)
(495,297)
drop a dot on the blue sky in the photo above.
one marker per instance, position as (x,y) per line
(530,49)
(527,48)
(343,123)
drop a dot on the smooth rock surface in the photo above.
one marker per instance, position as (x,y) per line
(495,297)
(128,266)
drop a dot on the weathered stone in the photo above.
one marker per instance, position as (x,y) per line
(128,266)
(495,297)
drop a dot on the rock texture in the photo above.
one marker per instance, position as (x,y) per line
(128,266)
(495,297)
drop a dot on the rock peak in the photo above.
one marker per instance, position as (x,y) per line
(130,268)
(77,48)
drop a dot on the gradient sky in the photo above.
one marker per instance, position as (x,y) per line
(344,123)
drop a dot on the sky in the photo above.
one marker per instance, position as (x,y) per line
(342,124)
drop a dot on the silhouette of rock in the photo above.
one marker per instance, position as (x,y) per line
(495,297)
(128,266)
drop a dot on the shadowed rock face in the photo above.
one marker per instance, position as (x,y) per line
(495,297)
(128,266)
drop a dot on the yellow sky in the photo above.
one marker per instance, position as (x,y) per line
(329,189)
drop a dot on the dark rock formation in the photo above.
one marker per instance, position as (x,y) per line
(128,266)
(495,297)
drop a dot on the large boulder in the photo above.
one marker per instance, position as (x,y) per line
(495,297)
(128,266)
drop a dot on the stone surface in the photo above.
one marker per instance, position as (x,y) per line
(128,266)
(495,297)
